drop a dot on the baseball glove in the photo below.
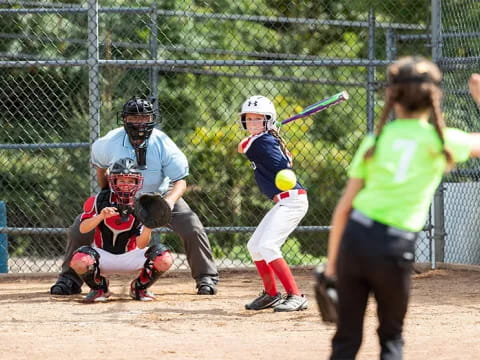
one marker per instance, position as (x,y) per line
(152,210)
(326,295)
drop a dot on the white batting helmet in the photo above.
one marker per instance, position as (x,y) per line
(259,105)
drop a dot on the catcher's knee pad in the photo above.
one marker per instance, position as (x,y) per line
(163,262)
(160,257)
(86,260)
(158,261)
(81,262)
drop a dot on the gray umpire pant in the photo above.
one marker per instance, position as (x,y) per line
(185,223)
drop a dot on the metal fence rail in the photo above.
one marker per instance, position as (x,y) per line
(67,69)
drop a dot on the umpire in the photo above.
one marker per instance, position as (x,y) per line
(164,167)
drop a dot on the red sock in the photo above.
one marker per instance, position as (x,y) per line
(281,269)
(266,273)
(144,277)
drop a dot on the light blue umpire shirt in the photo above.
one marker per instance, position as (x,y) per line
(166,163)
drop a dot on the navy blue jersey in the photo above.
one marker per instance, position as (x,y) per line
(267,158)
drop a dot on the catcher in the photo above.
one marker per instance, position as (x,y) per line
(121,235)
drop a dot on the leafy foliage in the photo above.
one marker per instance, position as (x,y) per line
(198,104)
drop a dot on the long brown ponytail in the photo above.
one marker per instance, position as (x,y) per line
(283,144)
(439,124)
(381,123)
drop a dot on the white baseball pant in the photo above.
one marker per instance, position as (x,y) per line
(276,226)
(126,263)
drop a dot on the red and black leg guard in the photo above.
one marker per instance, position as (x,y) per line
(159,260)
(92,277)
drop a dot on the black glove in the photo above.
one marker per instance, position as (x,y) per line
(152,210)
(326,295)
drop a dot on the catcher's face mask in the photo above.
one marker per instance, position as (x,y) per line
(125,187)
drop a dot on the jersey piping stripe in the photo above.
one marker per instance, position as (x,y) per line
(246,145)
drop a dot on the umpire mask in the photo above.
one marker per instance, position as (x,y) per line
(138,121)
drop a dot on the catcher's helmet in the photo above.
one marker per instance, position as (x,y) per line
(125,168)
(138,131)
(259,105)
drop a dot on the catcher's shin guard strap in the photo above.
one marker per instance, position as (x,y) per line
(92,277)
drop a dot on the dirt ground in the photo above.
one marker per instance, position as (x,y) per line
(443,322)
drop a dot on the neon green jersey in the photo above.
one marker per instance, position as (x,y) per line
(407,166)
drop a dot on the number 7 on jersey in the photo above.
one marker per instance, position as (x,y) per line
(407,150)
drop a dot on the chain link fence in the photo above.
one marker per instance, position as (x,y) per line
(67,68)
(459,55)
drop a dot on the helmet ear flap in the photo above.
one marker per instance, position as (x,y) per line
(270,122)
(243,121)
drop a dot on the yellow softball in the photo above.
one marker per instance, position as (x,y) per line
(285,180)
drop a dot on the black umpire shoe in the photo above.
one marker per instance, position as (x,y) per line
(65,286)
(264,301)
(292,303)
(206,286)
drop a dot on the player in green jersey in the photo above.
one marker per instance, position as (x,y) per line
(393,177)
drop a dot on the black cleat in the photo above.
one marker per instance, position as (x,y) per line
(292,303)
(264,301)
(206,286)
(65,286)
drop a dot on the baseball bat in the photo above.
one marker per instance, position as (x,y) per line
(317,107)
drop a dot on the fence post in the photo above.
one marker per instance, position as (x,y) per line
(93,83)
(153,54)
(391,51)
(391,44)
(371,72)
(3,239)
(438,199)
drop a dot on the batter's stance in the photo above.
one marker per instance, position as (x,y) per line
(268,154)
(165,168)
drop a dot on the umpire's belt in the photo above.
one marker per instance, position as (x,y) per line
(289,193)
(393,231)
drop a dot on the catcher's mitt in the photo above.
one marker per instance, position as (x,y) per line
(152,210)
(326,295)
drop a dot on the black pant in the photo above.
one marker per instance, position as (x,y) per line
(372,260)
(184,222)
